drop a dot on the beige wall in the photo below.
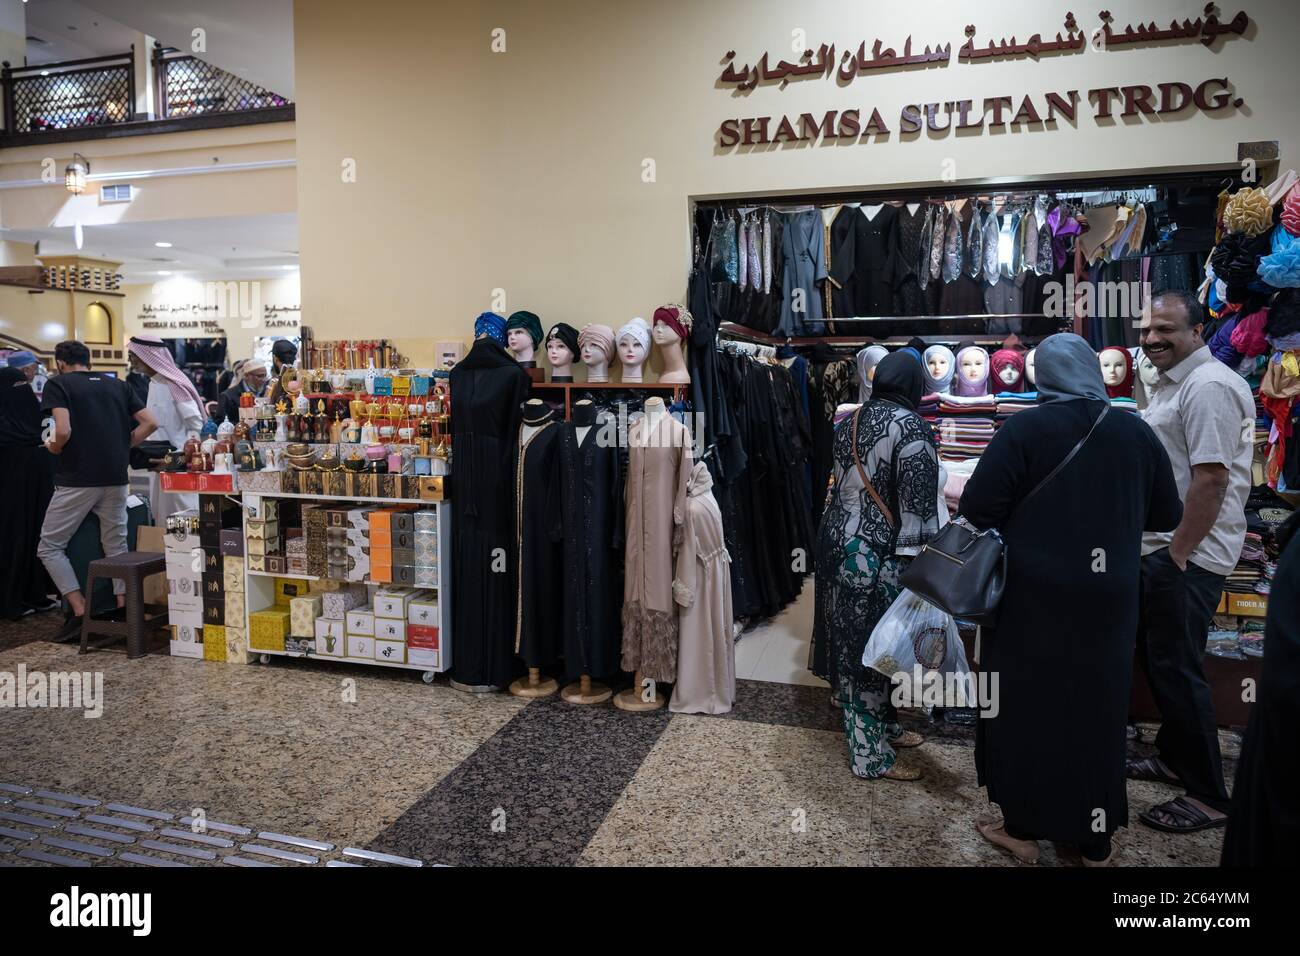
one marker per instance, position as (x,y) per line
(41,320)
(241,314)
(523,171)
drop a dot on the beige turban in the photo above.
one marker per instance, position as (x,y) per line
(601,336)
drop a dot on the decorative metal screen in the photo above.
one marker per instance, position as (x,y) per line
(191,87)
(99,95)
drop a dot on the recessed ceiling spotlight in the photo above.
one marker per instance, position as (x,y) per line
(164,272)
(163,245)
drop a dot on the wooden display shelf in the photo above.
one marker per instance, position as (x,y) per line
(678,390)
(39,287)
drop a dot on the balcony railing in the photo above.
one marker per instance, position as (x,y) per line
(186,86)
(94,98)
(75,94)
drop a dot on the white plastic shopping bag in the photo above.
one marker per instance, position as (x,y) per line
(916,645)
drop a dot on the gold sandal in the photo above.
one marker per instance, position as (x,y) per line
(902,772)
(994,830)
(908,738)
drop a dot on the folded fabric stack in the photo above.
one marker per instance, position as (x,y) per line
(1008,403)
(1249,572)
(962,438)
(967,404)
(959,473)
(1124,404)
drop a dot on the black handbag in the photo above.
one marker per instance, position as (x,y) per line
(962,570)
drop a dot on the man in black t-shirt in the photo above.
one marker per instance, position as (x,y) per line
(93,420)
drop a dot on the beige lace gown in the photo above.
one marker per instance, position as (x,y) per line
(659,467)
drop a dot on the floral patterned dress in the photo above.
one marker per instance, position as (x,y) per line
(860,557)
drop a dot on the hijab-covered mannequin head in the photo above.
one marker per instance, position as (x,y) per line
(939,366)
(1009,370)
(972,371)
(1067,369)
(1029,368)
(868,359)
(1116,372)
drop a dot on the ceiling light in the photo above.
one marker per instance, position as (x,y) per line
(74,177)
(45,72)
(164,272)
(163,245)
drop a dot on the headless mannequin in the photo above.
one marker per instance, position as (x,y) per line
(584,690)
(534,685)
(670,347)
(633,698)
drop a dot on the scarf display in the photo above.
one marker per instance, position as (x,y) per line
(1125,387)
(941,383)
(868,359)
(964,385)
(1004,359)
(155,353)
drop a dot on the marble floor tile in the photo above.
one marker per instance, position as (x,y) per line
(749,650)
(791,705)
(532,794)
(785,661)
(774,796)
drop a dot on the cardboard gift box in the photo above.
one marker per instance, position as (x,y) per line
(403,540)
(256,562)
(425,545)
(262,528)
(217,483)
(410,487)
(403,557)
(186,641)
(263,546)
(233,574)
(425,577)
(423,612)
(393,602)
(363,647)
(361,621)
(179,481)
(286,589)
(260,481)
(237,651)
(213,561)
(432,488)
(210,539)
(388,486)
(180,544)
(267,629)
(381,573)
(334,483)
(426,521)
(276,564)
(295,564)
(337,604)
(232,542)
(311,482)
(184,593)
(214,611)
(235,604)
(303,612)
(214,643)
(422,636)
(260,508)
(215,511)
(1249,605)
(321,585)
(423,657)
(394,652)
(388,629)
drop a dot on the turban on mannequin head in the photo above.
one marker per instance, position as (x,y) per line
(676,318)
(636,329)
(491,325)
(567,335)
(1008,358)
(601,336)
(155,353)
(529,323)
(932,383)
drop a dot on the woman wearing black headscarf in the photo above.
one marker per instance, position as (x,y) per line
(26,483)
(1052,754)
(863,544)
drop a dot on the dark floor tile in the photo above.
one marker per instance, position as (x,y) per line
(554,769)
(34,627)
(789,705)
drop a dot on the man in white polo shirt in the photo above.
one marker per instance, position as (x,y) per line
(1203,413)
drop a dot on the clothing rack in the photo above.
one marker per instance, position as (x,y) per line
(739,334)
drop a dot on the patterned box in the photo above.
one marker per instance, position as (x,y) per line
(214,643)
(267,482)
(303,612)
(217,483)
(310,482)
(262,508)
(426,548)
(419,385)
(214,611)
(410,487)
(237,651)
(268,629)
(394,652)
(387,629)
(432,488)
(187,641)
(334,483)
(425,520)
(263,546)
(393,602)
(363,647)
(233,574)
(234,608)
(212,561)
(423,611)
(214,585)
(335,606)
(401,385)
(286,589)
(276,564)
(425,577)
(232,542)
(296,564)
(361,621)
(256,562)
(382,385)
(321,586)
(403,557)
(262,528)
(421,636)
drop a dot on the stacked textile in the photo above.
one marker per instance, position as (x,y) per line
(1008,403)
(1246,577)
(1125,404)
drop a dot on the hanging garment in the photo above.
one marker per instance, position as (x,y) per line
(805,266)
(706,659)
(767,251)
(909,295)
(742,253)
(992,232)
(1008,248)
(591,493)
(659,465)
(842,260)
(975,243)
(924,245)
(868,276)
(954,243)
(487,387)
(755,253)
(829,214)
(937,238)
(1044,263)
(539,596)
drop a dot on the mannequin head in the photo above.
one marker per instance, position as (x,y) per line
(1117,372)
(1146,371)
(559,354)
(663,335)
(562,348)
(972,371)
(489,325)
(867,360)
(1029,366)
(596,344)
(672,327)
(1008,369)
(633,348)
(521,344)
(523,335)
(939,367)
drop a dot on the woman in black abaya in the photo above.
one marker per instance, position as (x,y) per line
(26,483)
(1061,648)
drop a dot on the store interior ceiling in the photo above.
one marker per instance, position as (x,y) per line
(225,247)
(252,39)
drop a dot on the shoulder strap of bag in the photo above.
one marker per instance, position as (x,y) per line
(1074,451)
(862,472)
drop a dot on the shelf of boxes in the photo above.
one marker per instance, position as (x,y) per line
(348,616)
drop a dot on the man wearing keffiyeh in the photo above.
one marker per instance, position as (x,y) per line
(174,401)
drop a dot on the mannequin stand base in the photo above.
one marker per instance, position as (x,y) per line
(595,693)
(630,700)
(475,688)
(543,688)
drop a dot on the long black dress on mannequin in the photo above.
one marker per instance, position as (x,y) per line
(592,495)
(487,389)
(539,603)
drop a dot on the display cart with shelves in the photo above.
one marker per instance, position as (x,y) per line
(260,585)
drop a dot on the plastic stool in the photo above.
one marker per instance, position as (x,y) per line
(132,567)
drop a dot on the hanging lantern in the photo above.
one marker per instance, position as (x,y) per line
(74,177)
